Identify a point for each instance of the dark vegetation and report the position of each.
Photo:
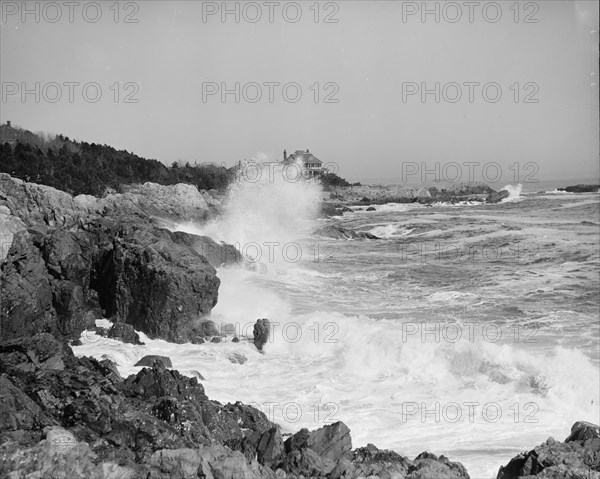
(90, 168)
(332, 179)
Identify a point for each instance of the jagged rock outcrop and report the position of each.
(576, 458)
(381, 194)
(76, 417)
(217, 254)
(68, 262)
(124, 333)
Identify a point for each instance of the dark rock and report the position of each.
(158, 287)
(497, 197)
(151, 359)
(208, 328)
(261, 333)
(125, 333)
(316, 453)
(109, 369)
(270, 446)
(217, 254)
(215, 339)
(85, 255)
(327, 210)
(428, 465)
(332, 442)
(26, 306)
(582, 431)
(369, 461)
(371, 208)
(577, 458)
(235, 339)
(582, 189)
(159, 423)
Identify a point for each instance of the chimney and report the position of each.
(8, 123)
(307, 150)
(284, 155)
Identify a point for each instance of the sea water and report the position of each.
(468, 330)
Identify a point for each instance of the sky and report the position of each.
(380, 91)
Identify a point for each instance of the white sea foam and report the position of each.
(333, 357)
(514, 192)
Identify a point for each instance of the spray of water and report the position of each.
(514, 192)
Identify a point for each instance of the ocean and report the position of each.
(467, 330)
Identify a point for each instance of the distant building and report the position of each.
(8, 134)
(312, 165)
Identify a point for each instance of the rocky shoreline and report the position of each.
(66, 261)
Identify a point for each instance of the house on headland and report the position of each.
(312, 165)
(8, 134)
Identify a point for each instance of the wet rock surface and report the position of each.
(70, 261)
(581, 189)
(64, 416)
(497, 197)
(381, 194)
(577, 457)
(261, 333)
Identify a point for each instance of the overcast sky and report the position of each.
(356, 68)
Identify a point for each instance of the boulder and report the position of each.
(124, 333)
(157, 286)
(152, 359)
(371, 208)
(261, 333)
(497, 197)
(332, 442)
(370, 460)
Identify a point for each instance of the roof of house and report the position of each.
(7, 133)
(306, 157)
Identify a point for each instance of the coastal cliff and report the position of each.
(67, 261)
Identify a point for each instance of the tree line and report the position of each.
(93, 169)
